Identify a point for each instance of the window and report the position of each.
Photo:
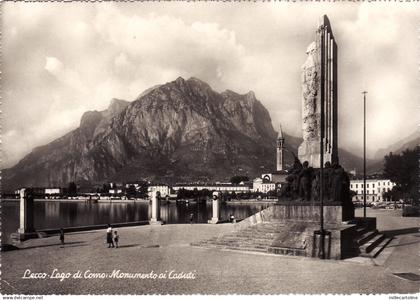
(373, 185)
(367, 185)
(356, 185)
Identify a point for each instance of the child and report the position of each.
(116, 238)
(109, 239)
(62, 237)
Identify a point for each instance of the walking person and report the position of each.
(109, 238)
(191, 218)
(116, 238)
(62, 237)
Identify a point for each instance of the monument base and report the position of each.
(213, 221)
(155, 222)
(18, 237)
(293, 228)
(310, 151)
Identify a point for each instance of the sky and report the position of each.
(62, 59)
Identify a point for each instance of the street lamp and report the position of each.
(364, 154)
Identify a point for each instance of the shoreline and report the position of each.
(142, 200)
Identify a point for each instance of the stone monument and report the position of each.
(319, 98)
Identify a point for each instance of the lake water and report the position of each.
(56, 214)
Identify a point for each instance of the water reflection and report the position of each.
(49, 214)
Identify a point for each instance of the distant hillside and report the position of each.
(409, 142)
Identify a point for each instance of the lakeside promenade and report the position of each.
(166, 249)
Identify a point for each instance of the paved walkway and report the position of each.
(163, 249)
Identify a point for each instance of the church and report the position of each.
(272, 181)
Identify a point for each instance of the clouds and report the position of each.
(59, 62)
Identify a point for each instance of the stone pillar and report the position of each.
(216, 208)
(26, 214)
(155, 218)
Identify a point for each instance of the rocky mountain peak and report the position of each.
(180, 131)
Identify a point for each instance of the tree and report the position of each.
(238, 179)
(131, 191)
(402, 169)
(105, 188)
(72, 189)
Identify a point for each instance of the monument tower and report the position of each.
(280, 149)
(319, 98)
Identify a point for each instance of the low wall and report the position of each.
(305, 212)
(50, 231)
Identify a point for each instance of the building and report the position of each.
(52, 191)
(276, 177)
(163, 189)
(115, 191)
(263, 186)
(220, 187)
(375, 188)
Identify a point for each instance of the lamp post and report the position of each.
(364, 154)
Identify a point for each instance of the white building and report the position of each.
(220, 187)
(258, 185)
(375, 188)
(52, 191)
(115, 191)
(164, 189)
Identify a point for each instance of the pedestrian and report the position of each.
(62, 237)
(191, 218)
(116, 238)
(109, 239)
(232, 218)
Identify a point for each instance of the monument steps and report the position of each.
(366, 236)
(287, 251)
(378, 249)
(371, 244)
(362, 230)
(244, 247)
(260, 237)
(241, 241)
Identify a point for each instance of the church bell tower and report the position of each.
(280, 149)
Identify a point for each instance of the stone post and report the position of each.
(155, 219)
(216, 208)
(26, 214)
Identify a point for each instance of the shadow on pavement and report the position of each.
(405, 244)
(129, 246)
(392, 233)
(69, 244)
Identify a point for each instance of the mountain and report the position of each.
(179, 131)
(409, 142)
(175, 132)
